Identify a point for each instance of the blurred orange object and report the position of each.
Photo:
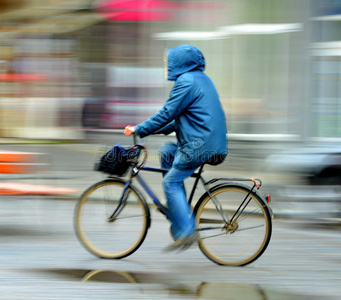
(13, 162)
(16, 156)
(16, 168)
(10, 188)
(22, 77)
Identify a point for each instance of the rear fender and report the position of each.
(243, 186)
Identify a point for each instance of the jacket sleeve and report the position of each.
(169, 128)
(179, 99)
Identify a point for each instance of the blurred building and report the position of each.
(69, 64)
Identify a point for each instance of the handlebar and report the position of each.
(135, 138)
(154, 133)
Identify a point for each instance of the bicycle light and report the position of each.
(268, 198)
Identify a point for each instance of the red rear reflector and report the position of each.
(268, 198)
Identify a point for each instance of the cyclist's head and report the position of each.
(183, 59)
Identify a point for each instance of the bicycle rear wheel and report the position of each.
(115, 238)
(246, 234)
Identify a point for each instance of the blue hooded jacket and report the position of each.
(193, 111)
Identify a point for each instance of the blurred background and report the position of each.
(75, 70)
(74, 73)
(69, 64)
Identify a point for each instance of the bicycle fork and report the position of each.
(121, 204)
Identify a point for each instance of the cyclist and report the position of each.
(194, 112)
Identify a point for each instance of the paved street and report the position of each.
(41, 258)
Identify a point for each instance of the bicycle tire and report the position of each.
(111, 239)
(241, 241)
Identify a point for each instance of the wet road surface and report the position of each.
(41, 258)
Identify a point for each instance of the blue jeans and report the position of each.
(179, 210)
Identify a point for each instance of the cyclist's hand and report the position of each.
(129, 130)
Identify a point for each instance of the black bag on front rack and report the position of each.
(117, 160)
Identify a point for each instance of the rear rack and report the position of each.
(256, 182)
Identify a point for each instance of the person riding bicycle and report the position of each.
(193, 110)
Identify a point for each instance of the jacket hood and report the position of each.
(183, 59)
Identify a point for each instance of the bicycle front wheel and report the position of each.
(108, 237)
(245, 234)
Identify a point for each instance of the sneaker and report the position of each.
(183, 243)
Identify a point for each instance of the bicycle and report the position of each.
(234, 221)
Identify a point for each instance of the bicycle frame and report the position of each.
(154, 198)
(257, 183)
(197, 175)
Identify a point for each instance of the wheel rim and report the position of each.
(115, 239)
(238, 242)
